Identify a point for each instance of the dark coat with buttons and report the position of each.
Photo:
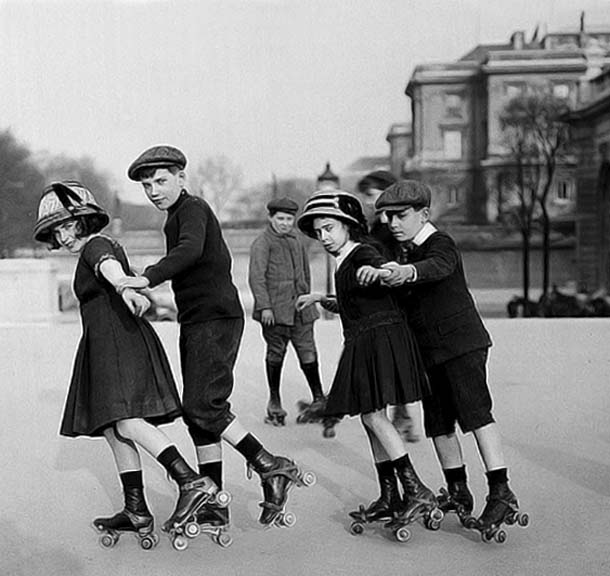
(440, 309)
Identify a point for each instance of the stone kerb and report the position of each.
(28, 290)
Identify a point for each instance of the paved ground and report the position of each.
(550, 383)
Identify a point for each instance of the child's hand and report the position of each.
(367, 275)
(135, 282)
(137, 304)
(398, 274)
(305, 300)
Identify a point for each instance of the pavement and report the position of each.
(550, 384)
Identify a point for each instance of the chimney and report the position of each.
(517, 40)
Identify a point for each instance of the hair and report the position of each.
(274, 211)
(85, 226)
(149, 171)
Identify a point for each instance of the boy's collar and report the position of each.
(425, 232)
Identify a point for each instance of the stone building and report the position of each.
(458, 145)
(590, 122)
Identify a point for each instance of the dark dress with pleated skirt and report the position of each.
(121, 369)
(380, 364)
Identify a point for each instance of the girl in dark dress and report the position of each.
(380, 364)
(122, 385)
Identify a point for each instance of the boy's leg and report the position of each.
(302, 338)
(490, 446)
(276, 338)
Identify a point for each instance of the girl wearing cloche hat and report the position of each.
(380, 364)
(122, 385)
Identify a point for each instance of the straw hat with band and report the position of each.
(332, 204)
(63, 201)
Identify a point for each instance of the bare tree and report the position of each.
(21, 184)
(216, 178)
(537, 138)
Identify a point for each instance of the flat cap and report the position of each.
(156, 157)
(403, 194)
(282, 205)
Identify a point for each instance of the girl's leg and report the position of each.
(195, 490)
(135, 516)
(389, 495)
(416, 494)
(448, 451)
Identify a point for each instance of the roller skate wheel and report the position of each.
(486, 536)
(356, 529)
(223, 498)
(403, 534)
(108, 541)
(224, 540)
(500, 537)
(469, 522)
(288, 520)
(192, 529)
(329, 432)
(180, 543)
(309, 479)
(437, 515)
(432, 524)
(523, 520)
(148, 542)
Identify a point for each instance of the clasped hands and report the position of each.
(390, 274)
(137, 303)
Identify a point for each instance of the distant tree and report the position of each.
(21, 184)
(217, 179)
(537, 138)
(62, 167)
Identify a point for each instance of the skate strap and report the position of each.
(271, 506)
(288, 472)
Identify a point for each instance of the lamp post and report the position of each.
(328, 180)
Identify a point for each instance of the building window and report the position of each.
(561, 90)
(514, 89)
(452, 144)
(564, 191)
(453, 197)
(453, 105)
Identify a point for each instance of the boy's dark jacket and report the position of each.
(440, 309)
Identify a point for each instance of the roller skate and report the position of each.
(313, 413)
(502, 507)
(111, 528)
(458, 498)
(278, 474)
(134, 518)
(276, 415)
(194, 495)
(381, 510)
(213, 520)
(419, 503)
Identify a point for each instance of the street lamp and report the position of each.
(328, 180)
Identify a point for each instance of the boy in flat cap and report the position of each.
(211, 318)
(278, 274)
(454, 345)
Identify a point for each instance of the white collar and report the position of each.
(346, 251)
(426, 231)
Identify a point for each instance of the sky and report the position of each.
(278, 86)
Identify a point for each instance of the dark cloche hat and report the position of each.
(156, 157)
(379, 179)
(403, 194)
(62, 201)
(332, 204)
(282, 205)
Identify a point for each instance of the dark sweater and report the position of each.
(198, 263)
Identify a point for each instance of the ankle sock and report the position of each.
(453, 475)
(249, 447)
(497, 476)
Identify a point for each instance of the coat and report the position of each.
(440, 309)
(278, 273)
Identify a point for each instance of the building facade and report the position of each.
(458, 143)
(590, 123)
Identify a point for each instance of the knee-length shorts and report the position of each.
(301, 336)
(208, 352)
(459, 393)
